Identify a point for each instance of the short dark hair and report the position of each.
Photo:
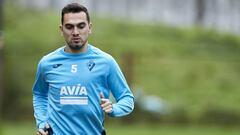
(74, 8)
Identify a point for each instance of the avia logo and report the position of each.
(73, 95)
(56, 65)
(91, 65)
(73, 90)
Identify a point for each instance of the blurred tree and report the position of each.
(1, 53)
(200, 5)
(128, 64)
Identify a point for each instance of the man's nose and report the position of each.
(75, 31)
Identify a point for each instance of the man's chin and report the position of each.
(76, 47)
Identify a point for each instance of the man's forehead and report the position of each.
(75, 18)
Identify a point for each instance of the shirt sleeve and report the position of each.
(120, 90)
(40, 98)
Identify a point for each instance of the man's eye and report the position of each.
(69, 27)
(81, 26)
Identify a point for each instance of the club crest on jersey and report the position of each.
(56, 65)
(91, 65)
(73, 95)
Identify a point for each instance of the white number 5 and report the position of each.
(74, 69)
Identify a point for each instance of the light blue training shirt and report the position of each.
(66, 93)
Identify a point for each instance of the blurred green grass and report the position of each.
(193, 69)
(29, 129)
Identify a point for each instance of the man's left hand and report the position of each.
(106, 104)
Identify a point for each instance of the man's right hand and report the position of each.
(43, 131)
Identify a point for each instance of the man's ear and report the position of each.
(61, 29)
(90, 28)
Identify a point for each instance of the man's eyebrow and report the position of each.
(68, 24)
(75, 24)
(81, 23)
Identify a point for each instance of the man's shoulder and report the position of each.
(51, 55)
(101, 53)
(105, 57)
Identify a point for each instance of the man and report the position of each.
(73, 83)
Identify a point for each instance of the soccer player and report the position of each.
(73, 83)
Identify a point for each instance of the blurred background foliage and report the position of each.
(193, 70)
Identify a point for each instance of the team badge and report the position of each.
(91, 65)
(56, 65)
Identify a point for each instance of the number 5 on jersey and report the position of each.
(74, 68)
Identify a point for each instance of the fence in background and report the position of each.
(223, 15)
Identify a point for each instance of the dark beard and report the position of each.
(76, 47)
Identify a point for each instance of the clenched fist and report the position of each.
(106, 104)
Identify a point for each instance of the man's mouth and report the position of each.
(76, 39)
